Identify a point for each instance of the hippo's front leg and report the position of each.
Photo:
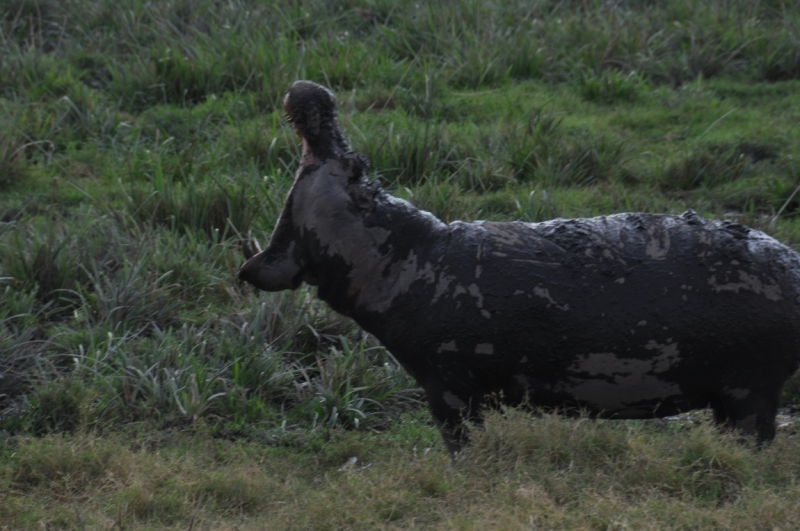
(450, 411)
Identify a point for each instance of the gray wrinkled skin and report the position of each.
(627, 316)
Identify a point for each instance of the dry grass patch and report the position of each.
(522, 471)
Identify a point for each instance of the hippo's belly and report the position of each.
(606, 385)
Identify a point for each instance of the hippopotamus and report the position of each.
(625, 316)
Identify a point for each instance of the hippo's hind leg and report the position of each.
(748, 411)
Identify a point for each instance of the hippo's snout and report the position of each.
(272, 271)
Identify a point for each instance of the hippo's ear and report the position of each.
(362, 195)
(364, 162)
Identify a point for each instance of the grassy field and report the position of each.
(143, 387)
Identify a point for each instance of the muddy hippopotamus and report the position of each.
(626, 316)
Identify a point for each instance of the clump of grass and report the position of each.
(611, 86)
(712, 165)
(67, 467)
(49, 263)
(60, 404)
(269, 147)
(355, 383)
(698, 463)
(132, 298)
(548, 440)
(12, 162)
(410, 152)
(543, 152)
(22, 351)
(211, 206)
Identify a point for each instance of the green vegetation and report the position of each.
(141, 386)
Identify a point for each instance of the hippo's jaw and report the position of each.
(271, 271)
(312, 110)
(281, 265)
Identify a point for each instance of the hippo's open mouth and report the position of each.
(311, 109)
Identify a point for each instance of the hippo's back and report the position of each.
(633, 238)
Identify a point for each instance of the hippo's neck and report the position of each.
(328, 144)
(365, 270)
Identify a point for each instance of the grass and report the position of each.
(141, 386)
(520, 472)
